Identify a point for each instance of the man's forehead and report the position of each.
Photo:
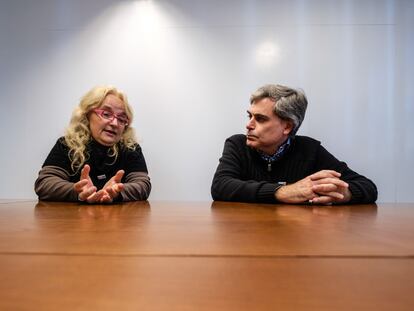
(262, 107)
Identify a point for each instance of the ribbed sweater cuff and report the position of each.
(266, 193)
(356, 193)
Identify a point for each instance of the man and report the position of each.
(272, 164)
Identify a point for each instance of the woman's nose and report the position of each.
(114, 121)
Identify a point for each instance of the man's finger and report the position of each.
(322, 200)
(324, 188)
(331, 181)
(336, 195)
(325, 174)
(333, 194)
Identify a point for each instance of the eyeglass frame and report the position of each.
(120, 118)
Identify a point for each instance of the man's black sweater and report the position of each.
(242, 175)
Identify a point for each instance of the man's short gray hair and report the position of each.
(290, 104)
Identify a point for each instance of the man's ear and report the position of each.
(288, 127)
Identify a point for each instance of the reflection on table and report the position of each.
(205, 256)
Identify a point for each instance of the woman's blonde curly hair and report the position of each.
(78, 133)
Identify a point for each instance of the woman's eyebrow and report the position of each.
(107, 107)
(110, 108)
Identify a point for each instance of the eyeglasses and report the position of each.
(110, 116)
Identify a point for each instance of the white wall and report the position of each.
(189, 67)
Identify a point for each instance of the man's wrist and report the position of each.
(279, 192)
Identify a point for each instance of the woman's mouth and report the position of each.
(110, 133)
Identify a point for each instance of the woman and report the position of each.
(98, 160)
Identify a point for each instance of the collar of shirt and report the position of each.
(278, 154)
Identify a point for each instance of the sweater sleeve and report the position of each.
(53, 184)
(137, 187)
(363, 190)
(228, 184)
(137, 184)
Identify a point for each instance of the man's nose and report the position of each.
(250, 124)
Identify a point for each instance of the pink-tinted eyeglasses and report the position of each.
(110, 116)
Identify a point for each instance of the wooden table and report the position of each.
(205, 256)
